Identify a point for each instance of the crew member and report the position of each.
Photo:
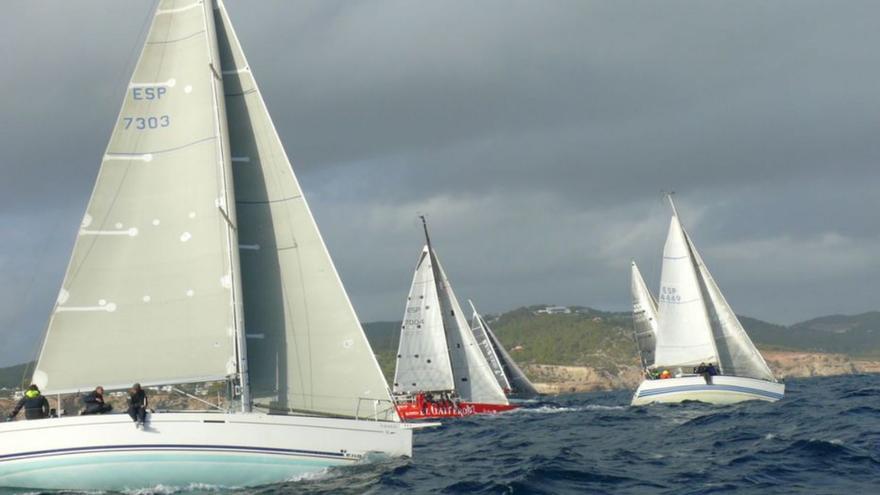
(711, 371)
(665, 374)
(137, 405)
(94, 402)
(35, 405)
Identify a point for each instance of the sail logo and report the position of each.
(413, 309)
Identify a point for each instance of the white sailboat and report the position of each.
(441, 371)
(644, 317)
(693, 324)
(507, 373)
(196, 230)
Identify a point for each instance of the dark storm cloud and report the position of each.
(537, 136)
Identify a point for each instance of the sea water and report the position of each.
(823, 438)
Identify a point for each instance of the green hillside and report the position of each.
(603, 340)
(853, 335)
(585, 337)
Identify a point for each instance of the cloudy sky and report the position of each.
(536, 136)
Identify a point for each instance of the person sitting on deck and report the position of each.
(137, 405)
(665, 374)
(35, 405)
(94, 402)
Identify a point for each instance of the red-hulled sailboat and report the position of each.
(441, 370)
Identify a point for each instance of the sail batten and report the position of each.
(146, 289)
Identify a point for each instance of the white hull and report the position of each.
(181, 449)
(722, 390)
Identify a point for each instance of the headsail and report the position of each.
(519, 383)
(306, 348)
(738, 355)
(482, 337)
(474, 380)
(422, 356)
(684, 336)
(644, 317)
(150, 294)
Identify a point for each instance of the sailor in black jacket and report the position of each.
(35, 405)
(94, 402)
(137, 405)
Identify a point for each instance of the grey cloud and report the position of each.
(537, 136)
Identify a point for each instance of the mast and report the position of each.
(227, 206)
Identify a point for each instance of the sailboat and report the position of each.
(199, 260)
(441, 371)
(507, 373)
(693, 325)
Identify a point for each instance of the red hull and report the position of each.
(434, 410)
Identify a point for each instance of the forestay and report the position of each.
(149, 293)
(482, 338)
(738, 355)
(306, 348)
(644, 317)
(422, 356)
(684, 336)
(474, 380)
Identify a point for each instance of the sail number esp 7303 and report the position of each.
(149, 93)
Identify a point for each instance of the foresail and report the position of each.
(149, 294)
(474, 380)
(482, 337)
(422, 356)
(738, 355)
(306, 348)
(684, 336)
(644, 317)
(519, 383)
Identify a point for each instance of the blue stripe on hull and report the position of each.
(710, 388)
(172, 447)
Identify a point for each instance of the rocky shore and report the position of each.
(552, 379)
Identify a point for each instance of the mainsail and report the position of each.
(644, 317)
(422, 356)
(151, 293)
(306, 348)
(684, 336)
(518, 383)
(736, 352)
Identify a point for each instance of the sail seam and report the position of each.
(270, 201)
(243, 93)
(168, 150)
(166, 42)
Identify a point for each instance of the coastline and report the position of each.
(558, 379)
